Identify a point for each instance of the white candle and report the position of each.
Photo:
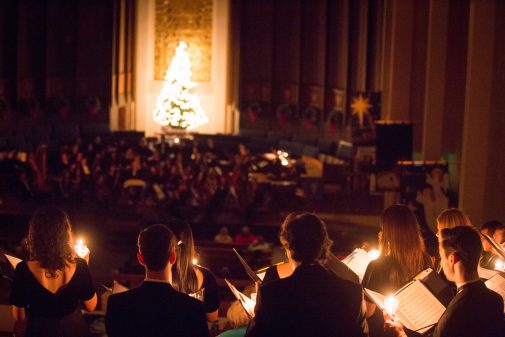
(374, 254)
(81, 249)
(391, 304)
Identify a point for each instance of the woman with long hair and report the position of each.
(190, 278)
(48, 288)
(403, 255)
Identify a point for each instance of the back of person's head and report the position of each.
(50, 239)
(490, 227)
(401, 240)
(306, 237)
(451, 218)
(464, 242)
(155, 244)
(184, 275)
(236, 315)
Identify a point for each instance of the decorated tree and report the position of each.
(176, 105)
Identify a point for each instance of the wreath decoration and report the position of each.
(284, 113)
(93, 105)
(311, 116)
(254, 110)
(335, 119)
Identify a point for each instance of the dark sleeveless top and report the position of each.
(51, 314)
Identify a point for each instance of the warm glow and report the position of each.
(194, 261)
(391, 304)
(360, 106)
(374, 254)
(80, 248)
(499, 265)
(176, 106)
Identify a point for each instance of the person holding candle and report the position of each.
(313, 301)
(48, 288)
(403, 255)
(476, 311)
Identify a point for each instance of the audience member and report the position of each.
(48, 287)
(476, 311)
(223, 236)
(155, 308)
(245, 237)
(312, 301)
(403, 255)
(191, 278)
(238, 319)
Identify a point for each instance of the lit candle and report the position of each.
(499, 265)
(81, 249)
(195, 261)
(374, 254)
(391, 304)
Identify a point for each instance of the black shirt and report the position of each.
(28, 293)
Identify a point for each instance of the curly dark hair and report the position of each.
(305, 235)
(49, 239)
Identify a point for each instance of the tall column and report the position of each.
(398, 51)
(478, 110)
(435, 80)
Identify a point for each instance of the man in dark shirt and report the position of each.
(154, 308)
(475, 311)
(312, 301)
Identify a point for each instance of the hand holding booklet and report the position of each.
(418, 309)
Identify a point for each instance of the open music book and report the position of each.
(247, 303)
(497, 284)
(485, 273)
(418, 310)
(357, 261)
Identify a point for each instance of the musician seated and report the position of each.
(476, 311)
(312, 301)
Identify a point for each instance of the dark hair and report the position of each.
(50, 240)
(402, 241)
(155, 244)
(491, 226)
(463, 241)
(184, 275)
(305, 235)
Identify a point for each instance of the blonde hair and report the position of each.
(451, 218)
(236, 315)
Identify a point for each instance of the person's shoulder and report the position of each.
(186, 302)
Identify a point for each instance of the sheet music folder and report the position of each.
(247, 303)
(419, 310)
(247, 268)
(357, 261)
(497, 284)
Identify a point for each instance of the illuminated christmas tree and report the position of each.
(176, 106)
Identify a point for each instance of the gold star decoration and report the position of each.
(360, 106)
